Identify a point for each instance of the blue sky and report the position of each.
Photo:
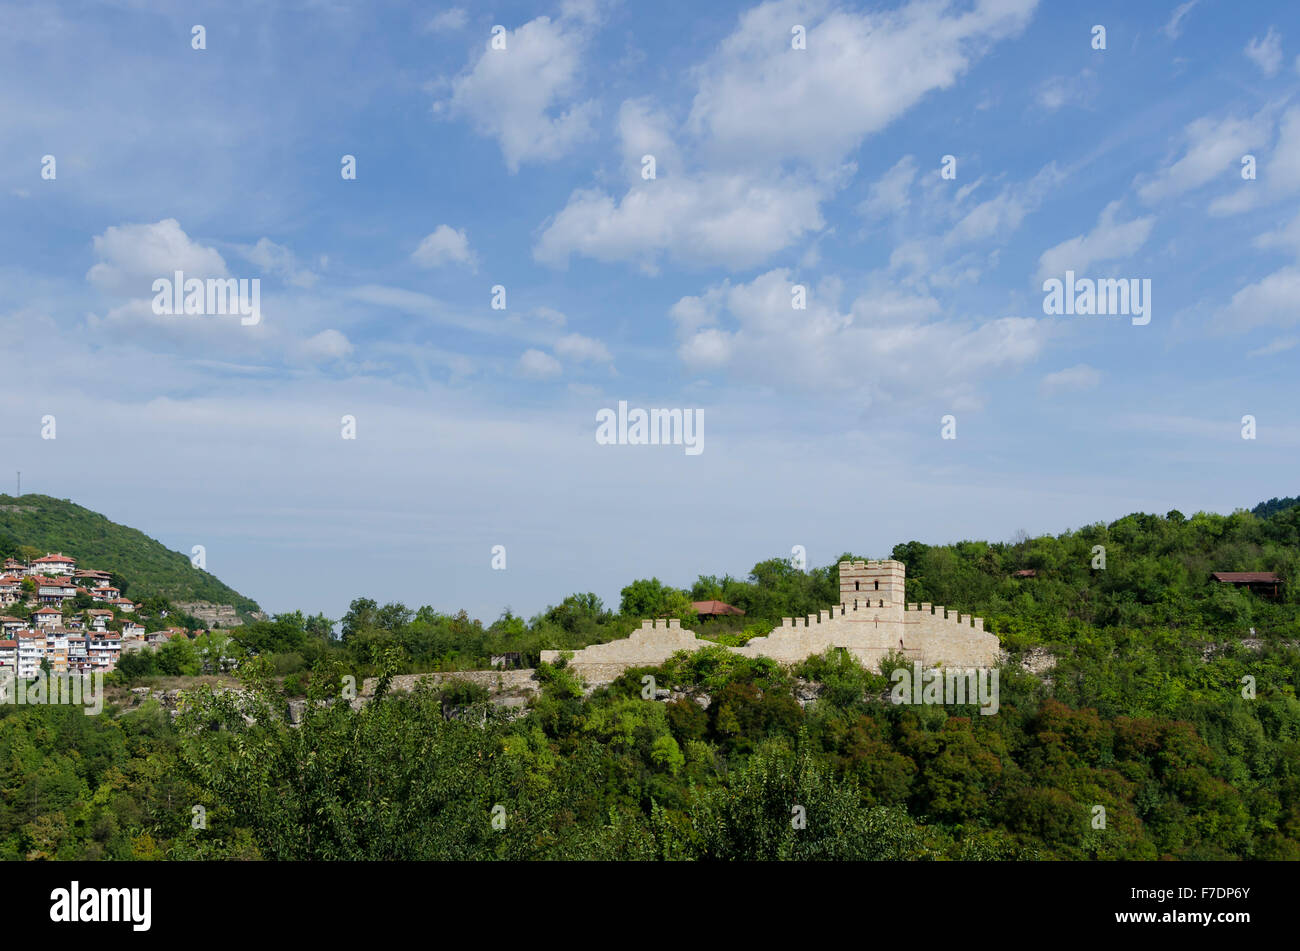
(522, 167)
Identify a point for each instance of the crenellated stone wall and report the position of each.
(650, 646)
(872, 621)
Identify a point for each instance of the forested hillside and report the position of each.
(1155, 708)
(33, 525)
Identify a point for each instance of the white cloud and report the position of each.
(278, 260)
(1078, 377)
(763, 102)
(760, 107)
(1108, 240)
(1060, 91)
(453, 18)
(1286, 238)
(1266, 53)
(538, 365)
(1278, 176)
(132, 256)
(445, 245)
(327, 345)
(1270, 301)
(1280, 345)
(582, 349)
(1174, 28)
(522, 95)
(891, 193)
(732, 220)
(1003, 214)
(886, 348)
(645, 130)
(550, 315)
(1214, 148)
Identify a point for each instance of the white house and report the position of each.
(57, 564)
(48, 617)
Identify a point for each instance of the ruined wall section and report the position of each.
(872, 621)
(650, 646)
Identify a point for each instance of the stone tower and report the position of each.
(873, 584)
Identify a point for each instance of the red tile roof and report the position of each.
(1247, 577)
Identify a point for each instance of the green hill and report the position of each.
(38, 521)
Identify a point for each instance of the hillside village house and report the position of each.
(78, 655)
(55, 592)
(88, 642)
(104, 650)
(58, 564)
(31, 649)
(48, 617)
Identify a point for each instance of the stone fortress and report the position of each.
(871, 621)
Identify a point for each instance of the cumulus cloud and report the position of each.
(1108, 240)
(643, 129)
(453, 18)
(731, 220)
(771, 130)
(327, 345)
(885, 348)
(132, 256)
(279, 261)
(523, 95)
(582, 349)
(763, 104)
(1078, 377)
(445, 245)
(538, 365)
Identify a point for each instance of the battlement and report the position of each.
(662, 624)
(939, 611)
(847, 611)
(871, 621)
(878, 583)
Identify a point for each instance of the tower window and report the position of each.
(877, 585)
(857, 586)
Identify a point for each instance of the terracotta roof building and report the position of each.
(1261, 582)
(714, 608)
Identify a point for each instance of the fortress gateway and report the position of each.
(871, 620)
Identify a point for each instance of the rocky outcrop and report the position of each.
(212, 615)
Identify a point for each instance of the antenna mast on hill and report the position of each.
(20, 482)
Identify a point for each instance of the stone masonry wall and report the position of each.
(871, 622)
(654, 643)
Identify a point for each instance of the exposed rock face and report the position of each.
(509, 688)
(1038, 660)
(212, 615)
